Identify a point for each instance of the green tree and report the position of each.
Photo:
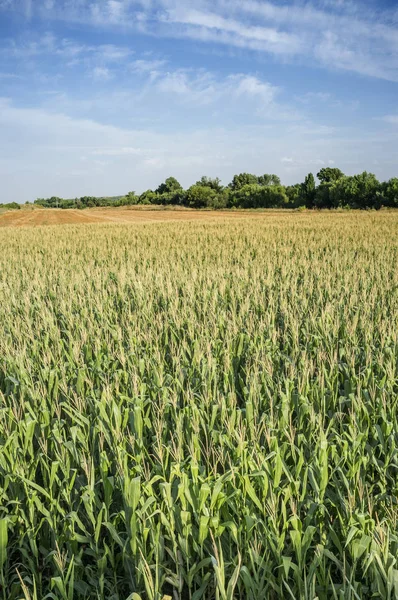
(177, 197)
(222, 199)
(243, 179)
(148, 197)
(325, 196)
(213, 183)
(130, 199)
(12, 206)
(247, 196)
(308, 190)
(329, 174)
(268, 179)
(293, 193)
(201, 196)
(358, 191)
(258, 196)
(68, 203)
(170, 185)
(390, 193)
(89, 201)
(274, 196)
(52, 202)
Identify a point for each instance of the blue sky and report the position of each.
(99, 97)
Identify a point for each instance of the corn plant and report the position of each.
(200, 410)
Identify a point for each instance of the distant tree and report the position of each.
(177, 197)
(275, 196)
(148, 197)
(88, 201)
(293, 193)
(358, 191)
(222, 199)
(243, 179)
(200, 196)
(213, 183)
(390, 193)
(308, 190)
(52, 202)
(325, 196)
(247, 196)
(130, 199)
(258, 196)
(329, 174)
(68, 203)
(268, 179)
(170, 185)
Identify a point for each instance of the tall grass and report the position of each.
(200, 410)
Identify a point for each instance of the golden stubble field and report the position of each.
(201, 408)
(36, 217)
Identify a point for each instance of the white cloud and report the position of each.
(220, 29)
(393, 119)
(252, 86)
(119, 152)
(148, 66)
(203, 88)
(101, 74)
(300, 162)
(45, 44)
(65, 49)
(311, 97)
(334, 51)
(112, 53)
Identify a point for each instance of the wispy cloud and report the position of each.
(64, 48)
(9, 76)
(120, 151)
(392, 119)
(216, 28)
(310, 163)
(101, 74)
(249, 85)
(311, 97)
(148, 68)
(201, 87)
(338, 35)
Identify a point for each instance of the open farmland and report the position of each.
(38, 217)
(202, 409)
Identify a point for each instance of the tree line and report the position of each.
(335, 190)
(10, 205)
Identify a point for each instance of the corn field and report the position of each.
(200, 410)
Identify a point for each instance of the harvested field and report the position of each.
(39, 217)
